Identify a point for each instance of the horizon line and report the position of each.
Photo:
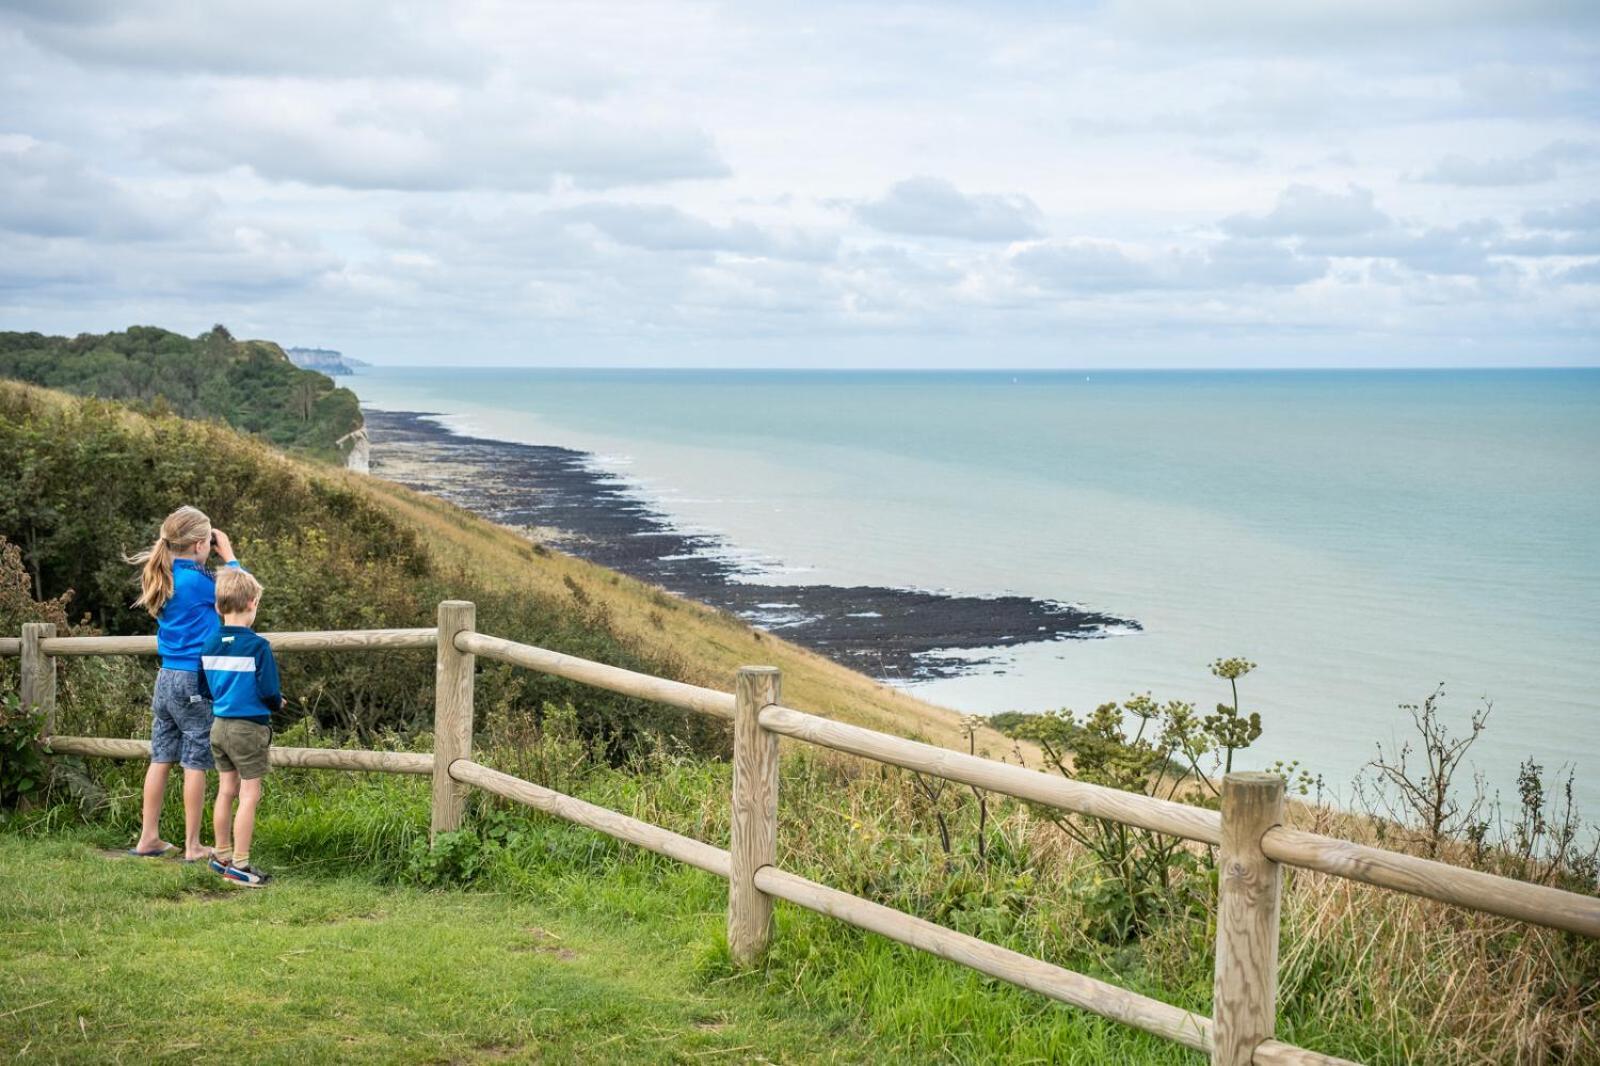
(985, 370)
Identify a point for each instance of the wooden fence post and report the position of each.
(39, 674)
(452, 715)
(755, 814)
(1245, 992)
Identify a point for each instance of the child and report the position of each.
(239, 676)
(180, 594)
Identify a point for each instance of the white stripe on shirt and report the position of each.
(232, 664)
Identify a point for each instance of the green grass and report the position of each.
(567, 946)
(153, 961)
(351, 955)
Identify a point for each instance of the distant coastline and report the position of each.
(560, 497)
(325, 360)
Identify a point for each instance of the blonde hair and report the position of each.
(182, 530)
(236, 591)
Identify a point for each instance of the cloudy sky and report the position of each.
(1158, 183)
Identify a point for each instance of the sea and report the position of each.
(1364, 537)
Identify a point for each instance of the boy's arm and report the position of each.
(267, 677)
(205, 689)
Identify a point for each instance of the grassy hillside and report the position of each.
(84, 482)
(250, 385)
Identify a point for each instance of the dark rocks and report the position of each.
(564, 500)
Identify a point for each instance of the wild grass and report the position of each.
(1366, 974)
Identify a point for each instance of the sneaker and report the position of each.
(220, 866)
(245, 875)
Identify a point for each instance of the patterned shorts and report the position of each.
(181, 731)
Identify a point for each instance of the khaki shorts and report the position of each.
(240, 745)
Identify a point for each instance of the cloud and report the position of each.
(1329, 24)
(933, 207)
(232, 37)
(662, 228)
(427, 138)
(627, 182)
(1546, 164)
(1464, 249)
(47, 191)
(1090, 266)
(1306, 211)
(1581, 216)
(1582, 274)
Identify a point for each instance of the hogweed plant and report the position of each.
(1161, 749)
(1231, 729)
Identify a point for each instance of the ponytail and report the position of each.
(182, 530)
(155, 580)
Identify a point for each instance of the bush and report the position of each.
(22, 765)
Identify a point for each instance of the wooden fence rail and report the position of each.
(1253, 844)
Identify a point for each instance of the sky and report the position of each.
(1007, 184)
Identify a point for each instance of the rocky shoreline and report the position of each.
(561, 498)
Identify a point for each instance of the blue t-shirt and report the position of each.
(239, 675)
(189, 617)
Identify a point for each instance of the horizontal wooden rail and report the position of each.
(388, 762)
(1130, 808)
(11, 646)
(1142, 1012)
(1251, 843)
(1130, 1008)
(1276, 1053)
(612, 678)
(1440, 881)
(324, 640)
(703, 856)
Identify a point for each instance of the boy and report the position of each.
(239, 676)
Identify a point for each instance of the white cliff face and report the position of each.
(359, 456)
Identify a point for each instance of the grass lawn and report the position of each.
(141, 960)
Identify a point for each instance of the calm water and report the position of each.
(1360, 535)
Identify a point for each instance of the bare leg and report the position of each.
(244, 823)
(222, 817)
(194, 812)
(155, 790)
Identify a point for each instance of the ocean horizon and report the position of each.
(1362, 535)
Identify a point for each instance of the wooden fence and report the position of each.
(1253, 844)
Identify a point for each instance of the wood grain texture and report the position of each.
(1130, 1008)
(754, 821)
(311, 640)
(38, 687)
(1436, 880)
(452, 715)
(612, 678)
(1244, 992)
(10, 647)
(1277, 1053)
(1162, 816)
(702, 856)
(388, 762)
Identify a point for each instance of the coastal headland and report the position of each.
(561, 498)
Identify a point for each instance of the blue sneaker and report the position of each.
(245, 874)
(219, 866)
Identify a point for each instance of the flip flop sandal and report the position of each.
(155, 853)
(205, 858)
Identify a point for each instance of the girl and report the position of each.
(181, 596)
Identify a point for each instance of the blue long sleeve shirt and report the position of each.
(189, 617)
(239, 675)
